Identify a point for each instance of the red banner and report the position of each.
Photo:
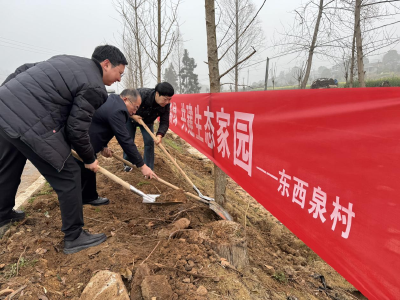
(326, 163)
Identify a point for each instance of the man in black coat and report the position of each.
(44, 109)
(155, 103)
(109, 121)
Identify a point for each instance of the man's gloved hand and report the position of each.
(93, 166)
(147, 172)
(106, 152)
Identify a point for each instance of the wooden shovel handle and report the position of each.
(166, 152)
(107, 173)
(128, 163)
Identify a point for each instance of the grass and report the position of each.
(142, 183)
(393, 81)
(23, 262)
(280, 277)
(46, 190)
(173, 145)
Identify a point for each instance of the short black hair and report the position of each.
(112, 53)
(130, 93)
(164, 89)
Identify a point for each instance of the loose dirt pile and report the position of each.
(279, 266)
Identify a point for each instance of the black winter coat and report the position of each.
(49, 106)
(149, 110)
(109, 121)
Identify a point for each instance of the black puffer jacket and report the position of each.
(149, 110)
(49, 106)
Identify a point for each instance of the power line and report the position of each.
(3, 38)
(28, 50)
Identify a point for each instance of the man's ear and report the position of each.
(105, 64)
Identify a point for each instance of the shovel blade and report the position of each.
(150, 198)
(220, 211)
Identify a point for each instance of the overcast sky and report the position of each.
(35, 30)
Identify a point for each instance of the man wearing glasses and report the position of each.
(155, 103)
(109, 121)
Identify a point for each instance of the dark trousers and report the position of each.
(148, 156)
(88, 183)
(67, 183)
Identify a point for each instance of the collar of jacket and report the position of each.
(98, 66)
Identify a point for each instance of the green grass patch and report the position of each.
(172, 144)
(393, 81)
(23, 262)
(46, 190)
(143, 183)
(280, 277)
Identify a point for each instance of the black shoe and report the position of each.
(12, 216)
(83, 241)
(99, 201)
(127, 168)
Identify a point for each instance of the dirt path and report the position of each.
(279, 266)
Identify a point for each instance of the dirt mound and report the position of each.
(278, 266)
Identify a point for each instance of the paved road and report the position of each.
(29, 176)
(31, 180)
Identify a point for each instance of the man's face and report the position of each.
(111, 74)
(162, 100)
(131, 105)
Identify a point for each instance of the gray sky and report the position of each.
(35, 30)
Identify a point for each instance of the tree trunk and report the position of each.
(159, 43)
(312, 47)
(213, 70)
(228, 240)
(139, 54)
(360, 63)
(353, 51)
(236, 44)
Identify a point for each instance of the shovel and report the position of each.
(174, 162)
(147, 198)
(214, 206)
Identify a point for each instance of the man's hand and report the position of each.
(136, 118)
(147, 172)
(158, 140)
(106, 152)
(93, 166)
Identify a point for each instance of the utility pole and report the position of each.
(248, 76)
(266, 75)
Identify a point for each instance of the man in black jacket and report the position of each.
(44, 109)
(155, 103)
(109, 121)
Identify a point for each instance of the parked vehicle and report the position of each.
(324, 83)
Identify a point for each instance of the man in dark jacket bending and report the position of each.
(155, 103)
(109, 121)
(44, 109)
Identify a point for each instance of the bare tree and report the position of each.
(234, 17)
(273, 72)
(157, 20)
(220, 178)
(298, 74)
(367, 29)
(310, 33)
(346, 68)
(134, 40)
(176, 57)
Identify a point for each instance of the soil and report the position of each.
(280, 265)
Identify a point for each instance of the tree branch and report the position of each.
(244, 59)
